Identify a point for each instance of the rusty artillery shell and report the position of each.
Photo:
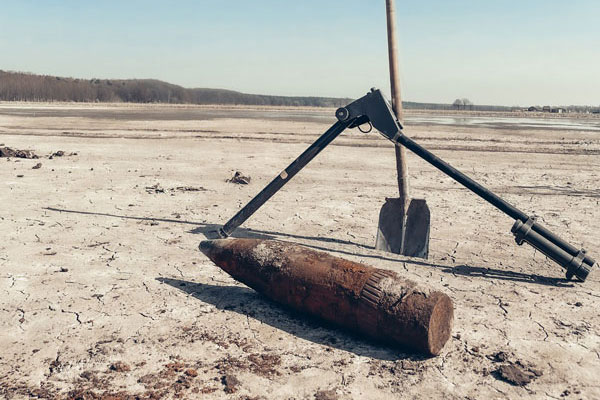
(364, 299)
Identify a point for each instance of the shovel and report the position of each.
(403, 223)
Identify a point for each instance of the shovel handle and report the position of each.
(396, 98)
(393, 59)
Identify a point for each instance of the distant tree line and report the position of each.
(18, 86)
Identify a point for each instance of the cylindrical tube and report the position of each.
(572, 250)
(371, 301)
(575, 266)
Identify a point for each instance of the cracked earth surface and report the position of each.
(104, 291)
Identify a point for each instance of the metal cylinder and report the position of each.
(367, 300)
(576, 265)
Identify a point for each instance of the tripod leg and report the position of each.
(281, 179)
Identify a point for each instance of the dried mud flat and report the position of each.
(106, 296)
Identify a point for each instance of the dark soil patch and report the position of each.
(9, 152)
(120, 366)
(188, 189)
(88, 394)
(264, 364)
(175, 377)
(516, 372)
(326, 395)
(516, 375)
(230, 382)
(156, 188)
(61, 153)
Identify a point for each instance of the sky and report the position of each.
(504, 52)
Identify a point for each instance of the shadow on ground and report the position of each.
(209, 232)
(247, 302)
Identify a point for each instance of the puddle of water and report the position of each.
(495, 122)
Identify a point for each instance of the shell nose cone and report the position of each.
(213, 246)
(206, 246)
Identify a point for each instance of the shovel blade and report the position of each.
(416, 236)
(389, 229)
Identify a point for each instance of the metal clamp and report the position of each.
(521, 230)
(575, 264)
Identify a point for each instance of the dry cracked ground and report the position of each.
(104, 294)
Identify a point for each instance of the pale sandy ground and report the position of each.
(95, 269)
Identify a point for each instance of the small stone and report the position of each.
(578, 304)
(37, 166)
(500, 356)
(120, 366)
(239, 179)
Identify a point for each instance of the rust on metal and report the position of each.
(371, 301)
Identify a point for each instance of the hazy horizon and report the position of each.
(541, 52)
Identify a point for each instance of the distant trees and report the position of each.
(17, 86)
(29, 87)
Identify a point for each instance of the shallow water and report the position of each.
(322, 116)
